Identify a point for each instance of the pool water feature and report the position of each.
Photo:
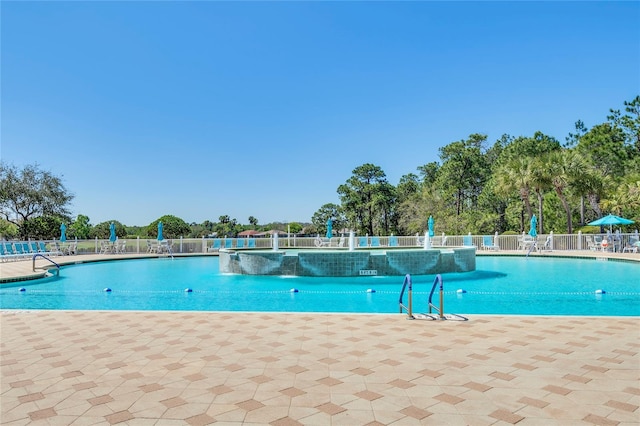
(499, 285)
(352, 263)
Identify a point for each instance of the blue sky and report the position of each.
(201, 109)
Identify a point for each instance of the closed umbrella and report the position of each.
(112, 229)
(533, 231)
(329, 228)
(63, 232)
(430, 225)
(160, 238)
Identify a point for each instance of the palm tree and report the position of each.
(517, 175)
(541, 182)
(564, 168)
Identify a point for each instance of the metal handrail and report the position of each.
(440, 310)
(33, 261)
(407, 281)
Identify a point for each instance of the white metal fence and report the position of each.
(557, 242)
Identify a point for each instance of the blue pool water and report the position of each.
(500, 285)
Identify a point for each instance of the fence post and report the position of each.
(579, 240)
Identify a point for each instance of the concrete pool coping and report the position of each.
(197, 368)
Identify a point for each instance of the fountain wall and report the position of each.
(340, 263)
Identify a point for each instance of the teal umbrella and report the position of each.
(430, 225)
(329, 228)
(160, 238)
(611, 220)
(63, 232)
(112, 229)
(533, 231)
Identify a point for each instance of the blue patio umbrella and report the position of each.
(430, 225)
(533, 231)
(329, 228)
(160, 238)
(611, 220)
(112, 229)
(63, 232)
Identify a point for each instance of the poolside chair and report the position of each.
(71, 248)
(319, 242)
(240, 243)
(467, 241)
(121, 247)
(228, 243)
(341, 242)
(7, 253)
(19, 251)
(42, 248)
(632, 245)
(215, 246)
(545, 246)
(363, 242)
(375, 241)
(591, 243)
(251, 243)
(152, 247)
(57, 249)
(489, 244)
(393, 241)
(525, 242)
(33, 246)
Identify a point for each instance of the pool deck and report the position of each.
(198, 368)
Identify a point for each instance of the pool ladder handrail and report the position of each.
(437, 282)
(440, 310)
(407, 281)
(409, 308)
(33, 262)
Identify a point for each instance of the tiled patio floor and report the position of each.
(176, 368)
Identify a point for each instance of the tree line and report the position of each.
(476, 187)
(484, 188)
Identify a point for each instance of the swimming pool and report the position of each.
(500, 285)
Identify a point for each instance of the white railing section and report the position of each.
(616, 242)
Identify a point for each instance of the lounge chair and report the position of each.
(240, 243)
(319, 242)
(215, 246)
(7, 253)
(632, 245)
(71, 248)
(544, 246)
(467, 241)
(18, 250)
(489, 244)
(251, 243)
(592, 244)
(42, 248)
(363, 242)
(121, 247)
(152, 247)
(375, 241)
(393, 241)
(228, 243)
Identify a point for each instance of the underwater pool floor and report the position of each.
(197, 368)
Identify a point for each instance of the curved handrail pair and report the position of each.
(33, 261)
